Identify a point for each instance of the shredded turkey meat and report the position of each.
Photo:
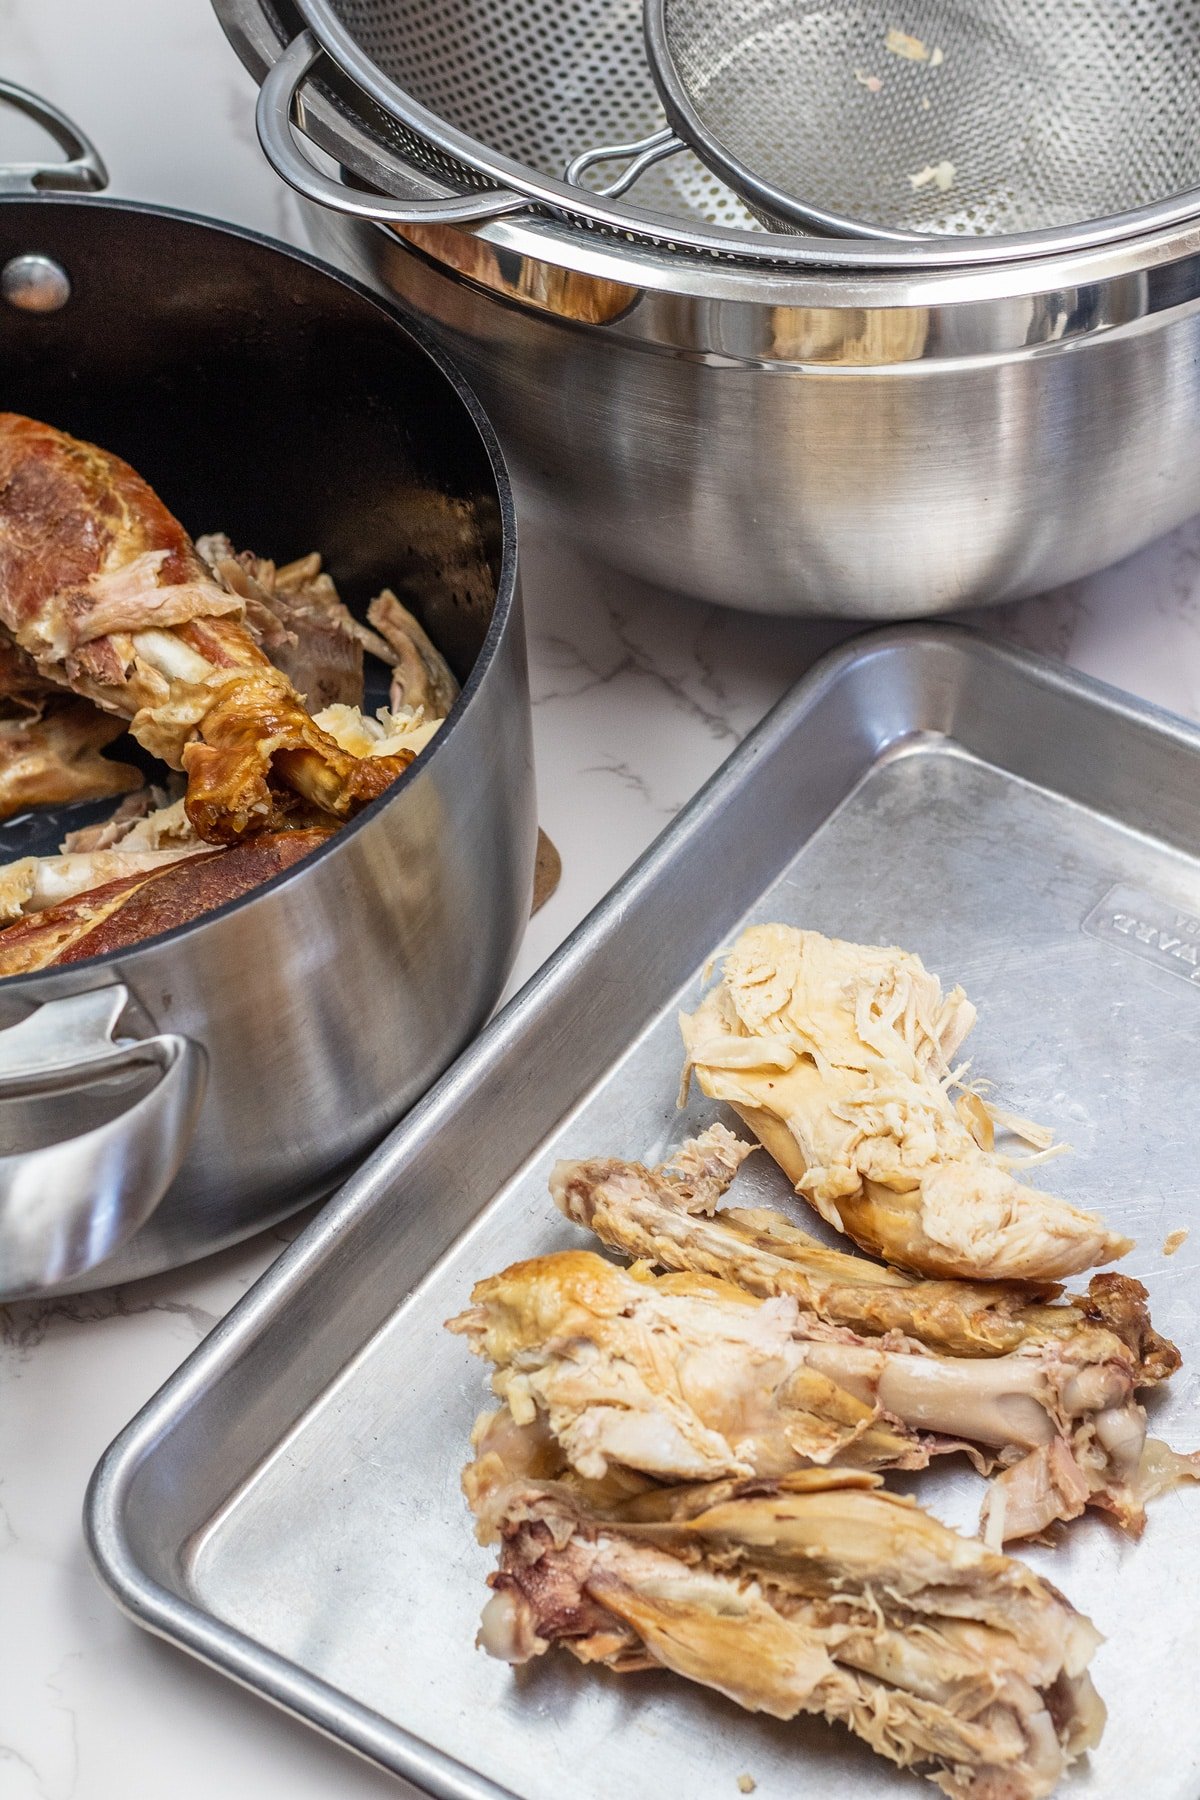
(680, 1377)
(388, 733)
(685, 1377)
(298, 617)
(421, 676)
(838, 1057)
(50, 743)
(104, 591)
(815, 1593)
(148, 818)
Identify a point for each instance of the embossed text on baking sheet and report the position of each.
(1151, 927)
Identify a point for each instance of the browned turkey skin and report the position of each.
(122, 912)
(103, 591)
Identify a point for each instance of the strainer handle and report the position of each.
(644, 152)
(277, 135)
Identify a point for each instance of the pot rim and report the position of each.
(498, 625)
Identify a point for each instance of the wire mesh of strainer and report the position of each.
(949, 116)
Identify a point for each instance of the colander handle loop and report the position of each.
(277, 99)
(645, 152)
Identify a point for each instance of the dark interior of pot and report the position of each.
(264, 398)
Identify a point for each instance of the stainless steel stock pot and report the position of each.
(158, 1103)
(785, 424)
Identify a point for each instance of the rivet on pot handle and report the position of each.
(82, 173)
(276, 134)
(67, 1206)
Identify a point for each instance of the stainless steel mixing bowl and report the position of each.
(865, 429)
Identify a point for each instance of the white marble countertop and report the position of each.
(637, 698)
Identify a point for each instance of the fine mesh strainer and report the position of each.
(966, 129)
(932, 115)
(985, 116)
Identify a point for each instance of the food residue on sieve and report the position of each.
(1173, 1240)
(870, 82)
(913, 49)
(940, 174)
(901, 44)
(746, 1784)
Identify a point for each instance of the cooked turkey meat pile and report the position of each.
(245, 677)
(684, 1468)
(814, 1593)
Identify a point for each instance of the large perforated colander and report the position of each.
(1042, 126)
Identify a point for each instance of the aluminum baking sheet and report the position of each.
(288, 1506)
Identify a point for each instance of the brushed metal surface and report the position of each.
(778, 101)
(868, 454)
(288, 1508)
(266, 395)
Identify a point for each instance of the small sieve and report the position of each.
(928, 116)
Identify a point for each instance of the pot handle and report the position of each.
(82, 173)
(67, 1205)
(277, 135)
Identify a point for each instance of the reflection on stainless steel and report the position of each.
(326, 1001)
(876, 439)
(35, 283)
(825, 451)
(288, 1508)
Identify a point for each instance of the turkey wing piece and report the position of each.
(662, 1214)
(682, 1377)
